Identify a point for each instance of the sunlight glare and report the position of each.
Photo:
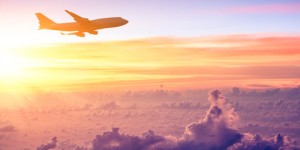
(11, 65)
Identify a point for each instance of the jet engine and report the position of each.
(93, 32)
(80, 34)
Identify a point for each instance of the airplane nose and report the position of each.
(125, 21)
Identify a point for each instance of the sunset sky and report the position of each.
(182, 45)
(181, 74)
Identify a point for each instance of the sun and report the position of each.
(11, 65)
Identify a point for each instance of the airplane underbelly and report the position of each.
(77, 27)
(66, 27)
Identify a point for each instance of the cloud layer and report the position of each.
(257, 115)
(215, 132)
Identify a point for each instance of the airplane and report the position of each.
(81, 25)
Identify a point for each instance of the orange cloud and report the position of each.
(233, 60)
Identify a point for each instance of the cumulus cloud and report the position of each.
(113, 140)
(256, 142)
(49, 145)
(215, 132)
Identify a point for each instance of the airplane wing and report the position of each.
(77, 18)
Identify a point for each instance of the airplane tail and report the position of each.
(44, 21)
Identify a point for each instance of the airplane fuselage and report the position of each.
(89, 26)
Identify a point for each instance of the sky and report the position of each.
(153, 74)
(180, 44)
(154, 18)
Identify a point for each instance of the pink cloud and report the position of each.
(268, 8)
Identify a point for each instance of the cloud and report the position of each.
(217, 129)
(256, 142)
(7, 128)
(215, 132)
(113, 140)
(109, 105)
(181, 105)
(260, 86)
(67, 145)
(47, 146)
(268, 8)
(158, 94)
(241, 59)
